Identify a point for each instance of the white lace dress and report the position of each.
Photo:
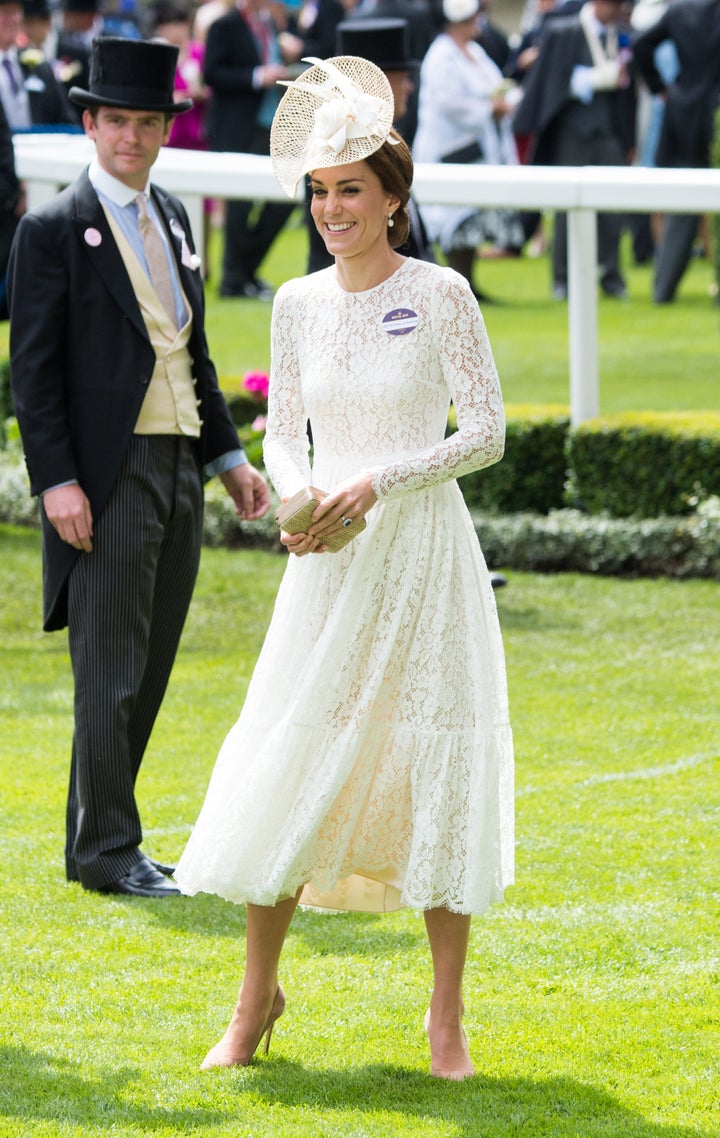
(372, 760)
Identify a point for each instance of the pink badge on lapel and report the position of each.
(93, 236)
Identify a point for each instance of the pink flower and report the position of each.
(259, 423)
(257, 382)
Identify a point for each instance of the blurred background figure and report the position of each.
(242, 67)
(121, 18)
(491, 37)
(37, 30)
(423, 23)
(579, 106)
(465, 116)
(310, 31)
(206, 14)
(524, 52)
(32, 99)
(692, 27)
(172, 20)
(12, 205)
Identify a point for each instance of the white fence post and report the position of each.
(582, 315)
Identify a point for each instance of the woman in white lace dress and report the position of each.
(371, 766)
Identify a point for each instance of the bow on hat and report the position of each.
(350, 114)
(337, 112)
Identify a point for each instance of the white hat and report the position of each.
(338, 111)
(456, 11)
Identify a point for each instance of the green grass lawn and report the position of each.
(593, 994)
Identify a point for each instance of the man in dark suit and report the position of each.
(12, 204)
(121, 418)
(693, 26)
(242, 67)
(30, 94)
(491, 37)
(579, 106)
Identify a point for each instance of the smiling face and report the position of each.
(127, 143)
(350, 209)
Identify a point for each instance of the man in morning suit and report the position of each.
(579, 105)
(692, 101)
(121, 418)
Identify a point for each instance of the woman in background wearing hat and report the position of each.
(371, 767)
(464, 116)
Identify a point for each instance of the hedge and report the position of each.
(644, 464)
(531, 476)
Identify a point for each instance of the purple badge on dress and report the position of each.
(93, 236)
(400, 321)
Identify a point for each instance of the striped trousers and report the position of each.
(128, 600)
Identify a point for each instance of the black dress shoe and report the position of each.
(497, 580)
(143, 880)
(615, 291)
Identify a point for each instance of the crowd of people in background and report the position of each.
(579, 82)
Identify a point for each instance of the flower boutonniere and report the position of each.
(31, 57)
(66, 70)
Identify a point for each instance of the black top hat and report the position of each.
(386, 43)
(137, 75)
(39, 9)
(80, 5)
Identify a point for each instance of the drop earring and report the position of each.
(390, 221)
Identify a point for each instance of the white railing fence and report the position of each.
(46, 162)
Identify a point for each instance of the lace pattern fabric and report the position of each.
(372, 760)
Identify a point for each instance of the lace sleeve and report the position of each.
(467, 367)
(286, 445)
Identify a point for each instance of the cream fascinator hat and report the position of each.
(338, 111)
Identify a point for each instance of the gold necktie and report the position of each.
(156, 257)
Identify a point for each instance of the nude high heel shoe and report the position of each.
(456, 1068)
(232, 1051)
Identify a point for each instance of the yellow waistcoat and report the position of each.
(170, 406)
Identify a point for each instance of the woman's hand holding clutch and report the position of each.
(344, 506)
(314, 522)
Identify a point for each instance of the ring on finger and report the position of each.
(346, 522)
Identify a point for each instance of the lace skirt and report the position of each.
(372, 760)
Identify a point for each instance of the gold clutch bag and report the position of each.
(294, 516)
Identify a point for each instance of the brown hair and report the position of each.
(393, 165)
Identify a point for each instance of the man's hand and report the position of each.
(248, 489)
(68, 510)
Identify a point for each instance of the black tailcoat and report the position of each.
(231, 56)
(547, 93)
(688, 122)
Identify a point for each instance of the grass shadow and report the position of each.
(323, 933)
(39, 1086)
(476, 1108)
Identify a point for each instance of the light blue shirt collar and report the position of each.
(111, 187)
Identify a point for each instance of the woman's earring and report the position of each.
(390, 221)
